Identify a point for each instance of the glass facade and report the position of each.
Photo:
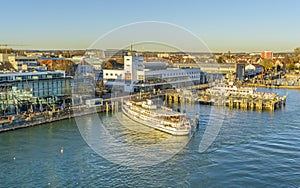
(42, 84)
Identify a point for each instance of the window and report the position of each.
(106, 74)
(111, 74)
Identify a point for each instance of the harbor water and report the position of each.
(249, 149)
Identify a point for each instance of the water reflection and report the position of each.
(126, 142)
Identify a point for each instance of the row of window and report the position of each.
(28, 77)
(45, 88)
(24, 60)
(181, 73)
(111, 74)
(167, 74)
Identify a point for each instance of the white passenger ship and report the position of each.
(163, 118)
(230, 89)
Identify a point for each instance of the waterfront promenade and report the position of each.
(12, 122)
(272, 86)
(39, 118)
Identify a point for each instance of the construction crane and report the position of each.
(6, 45)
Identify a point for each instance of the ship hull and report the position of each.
(153, 123)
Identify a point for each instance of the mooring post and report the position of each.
(106, 105)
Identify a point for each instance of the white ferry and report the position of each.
(163, 118)
(230, 89)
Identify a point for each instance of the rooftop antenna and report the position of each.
(130, 50)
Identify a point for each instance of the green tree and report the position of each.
(220, 59)
(297, 51)
(57, 53)
(296, 55)
(267, 64)
(291, 66)
(229, 54)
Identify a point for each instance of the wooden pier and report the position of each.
(245, 102)
(236, 101)
(172, 96)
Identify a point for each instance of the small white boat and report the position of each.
(162, 119)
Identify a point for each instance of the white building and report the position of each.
(11, 58)
(137, 74)
(133, 70)
(27, 63)
(116, 74)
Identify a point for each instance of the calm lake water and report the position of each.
(251, 149)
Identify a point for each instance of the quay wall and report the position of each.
(39, 118)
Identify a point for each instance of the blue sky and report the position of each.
(235, 25)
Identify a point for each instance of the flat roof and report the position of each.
(29, 73)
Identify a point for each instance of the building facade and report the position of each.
(267, 55)
(43, 84)
(137, 74)
(26, 63)
(21, 92)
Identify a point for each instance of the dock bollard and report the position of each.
(117, 106)
(106, 105)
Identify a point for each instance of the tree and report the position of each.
(287, 59)
(267, 64)
(297, 51)
(296, 55)
(229, 54)
(220, 59)
(291, 66)
(57, 53)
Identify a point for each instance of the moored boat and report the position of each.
(230, 89)
(160, 118)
